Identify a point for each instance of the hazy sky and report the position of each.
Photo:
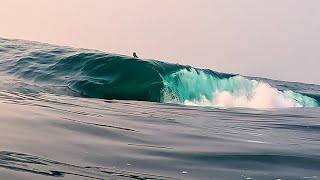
(279, 39)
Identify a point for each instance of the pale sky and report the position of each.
(279, 39)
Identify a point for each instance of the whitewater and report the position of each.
(85, 114)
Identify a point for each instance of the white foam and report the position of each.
(262, 96)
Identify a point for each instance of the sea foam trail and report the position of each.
(100, 75)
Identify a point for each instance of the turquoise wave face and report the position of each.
(196, 87)
(95, 74)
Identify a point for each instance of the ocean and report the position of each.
(70, 113)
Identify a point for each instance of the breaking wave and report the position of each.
(108, 76)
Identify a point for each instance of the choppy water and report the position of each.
(82, 114)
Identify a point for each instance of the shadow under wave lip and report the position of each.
(45, 167)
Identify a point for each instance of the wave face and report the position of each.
(96, 74)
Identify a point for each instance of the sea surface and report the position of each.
(71, 113)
